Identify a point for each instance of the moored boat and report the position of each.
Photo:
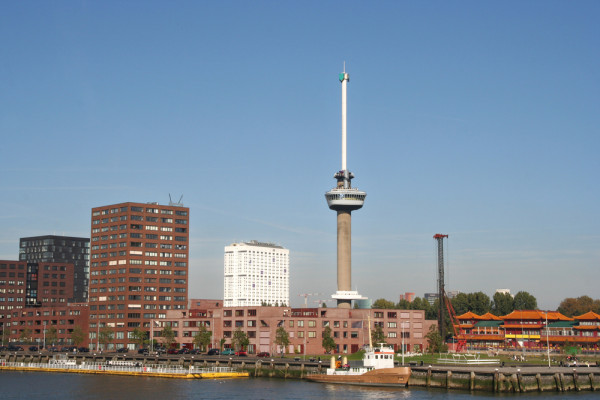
(376, 369)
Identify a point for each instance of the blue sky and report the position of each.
(474, 119)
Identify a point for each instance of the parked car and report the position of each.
(83, 350)
(54, 349)
(263, 354)
(183, 350)
(213, 352)
(143, 351)
(195, 351)
(227, 352)
(241, 353)
(160, 350)
(14, 348)
(34, 348)
(123, 350)
(172, 351)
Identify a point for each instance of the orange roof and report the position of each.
(525, 314)
(555, 315)
(488, 316)
(590, 315)
(536, 314)
(469, 315)
(587, 327)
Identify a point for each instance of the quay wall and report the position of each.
(507, 379)
(488, 379)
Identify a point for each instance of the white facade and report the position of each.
(255, 274)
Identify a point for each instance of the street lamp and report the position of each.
(44, 335)
(402, 325)
(547, 339)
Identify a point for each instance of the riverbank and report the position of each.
(492, 379)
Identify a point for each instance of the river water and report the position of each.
(56, 386)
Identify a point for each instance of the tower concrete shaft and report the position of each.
(344, 256)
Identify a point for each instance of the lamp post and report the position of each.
(547, 339)
(98, 336)
(152, 336)
(402, 325)
(44, 335)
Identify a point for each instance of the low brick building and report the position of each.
(304, 326)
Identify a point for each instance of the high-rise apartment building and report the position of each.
(255, 274)
(139, 268)
(61, 249)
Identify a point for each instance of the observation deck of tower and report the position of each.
(344, 199)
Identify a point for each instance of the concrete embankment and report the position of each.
(489, 378)
(507, 379)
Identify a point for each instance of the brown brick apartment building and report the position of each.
(304, 325)
(26, 286)
(138, 267)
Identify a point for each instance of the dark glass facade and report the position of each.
(61, 249)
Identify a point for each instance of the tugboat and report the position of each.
(377, 369)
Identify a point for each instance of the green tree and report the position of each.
(479, 303)
(221, 343)
(106, 336)
(525, 301)
(168, 336)
(383, 303)
(77, 335)
(139, 337)
(25, 335)
(282, 339)
(403, 305)
(577, 306)
(435, 344)
(202, 338)
(240, 340)
(503, 304)
(51, 335)
(328, 341)
(378, 336)
(461, 303)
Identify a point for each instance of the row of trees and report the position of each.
(477, 302)
(77, 336)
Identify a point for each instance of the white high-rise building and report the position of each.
(255, 274)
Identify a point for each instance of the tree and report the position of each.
(525, 301)
(572, 307)
(77, 335)
(221, 343)
(202, 338)
(25, 335)
(403, 305)
(106, 336)
(240, 340)
(383, 303)
(460, 302)
(51, 335)
(377, 336)
(139, 337)
(479, 303)
(282, 339)
(503, 304)
(168, 336)
(328, 342)
(435, 344)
